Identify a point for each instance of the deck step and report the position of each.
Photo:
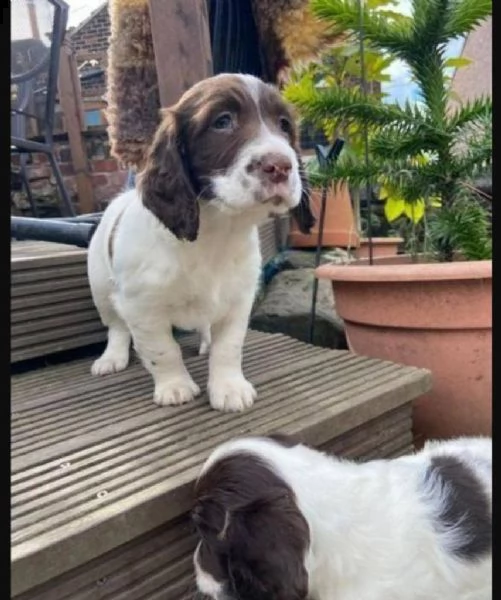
(51, 304)
(101, 477)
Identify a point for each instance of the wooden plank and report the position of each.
(159, 564)
(70, 98)
(52, 324)
(75, 329)
(33, 288)
(50, 310)
(181, 39)
(38, 350)
(79, 436)
(39, 299)
(51, 272)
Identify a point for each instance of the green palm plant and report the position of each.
(425, 155)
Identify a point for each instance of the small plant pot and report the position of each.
(436, 316)
(339, 225)
(380, 247)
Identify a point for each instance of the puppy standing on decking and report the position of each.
(183, 250)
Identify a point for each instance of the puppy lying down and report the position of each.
(281, 521)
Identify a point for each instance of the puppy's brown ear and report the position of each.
(267, 542)
(302, 212)
(166, 182)
(211, 520)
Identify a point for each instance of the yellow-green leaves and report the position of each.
(457, 63)
(396, 206)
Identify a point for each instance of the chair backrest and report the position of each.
(37, 32)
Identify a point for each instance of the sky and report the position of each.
(399, 89)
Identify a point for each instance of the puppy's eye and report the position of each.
(223, 121)
(285, 125)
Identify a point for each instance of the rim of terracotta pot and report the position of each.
(475, 269)
(383, 240)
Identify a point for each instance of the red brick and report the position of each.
(39, 158)
(67, 169)
(104, 166)
(39, 171)
(99, 179)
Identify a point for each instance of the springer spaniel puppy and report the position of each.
(182, 250)
(278, 521)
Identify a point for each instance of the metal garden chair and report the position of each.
(37, 32)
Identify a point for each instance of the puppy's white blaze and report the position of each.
(205, 582)
(253, 84)
(238, 189)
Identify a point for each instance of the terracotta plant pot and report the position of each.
(432, 315)
(339, 225)
(380, 247)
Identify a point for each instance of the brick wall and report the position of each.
(475, 80)
(92, 36)
(108, 178)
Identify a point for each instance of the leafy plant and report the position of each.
(425, 155)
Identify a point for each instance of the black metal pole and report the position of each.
(326, 157)
(48, 230)
(368, 188)
(317, 262)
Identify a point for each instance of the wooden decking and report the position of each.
(51, 305)
(101, 476)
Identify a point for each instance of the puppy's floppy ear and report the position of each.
(267, 541)
(211, 520)
(302, 212)
(166, 184)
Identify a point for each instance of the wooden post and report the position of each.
(70, 98)
(35, 32)
(181, 39)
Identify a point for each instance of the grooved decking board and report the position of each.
(158, 565)
(51, 303)
(95, 463)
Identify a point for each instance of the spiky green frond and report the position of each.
(385, 29)
(336, 102)
(464, 227)
(472, 111)
(396, 142)
(427, 67)
(428, 25)
(465, 15)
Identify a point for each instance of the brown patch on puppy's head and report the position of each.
(230, 138)
(253, 537)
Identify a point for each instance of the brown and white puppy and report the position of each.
(182, 250)
(279, 521)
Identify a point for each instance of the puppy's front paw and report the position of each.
(111, 363)
(231, 394)
(177, 390)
